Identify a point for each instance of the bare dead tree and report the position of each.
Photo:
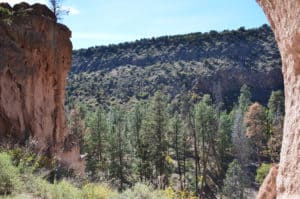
(57, 9)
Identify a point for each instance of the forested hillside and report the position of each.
(218, 63)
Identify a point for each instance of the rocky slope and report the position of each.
(215, 63)
(285, 21)
(34, 62)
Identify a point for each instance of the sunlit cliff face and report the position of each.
(35, 59)
(285, 21)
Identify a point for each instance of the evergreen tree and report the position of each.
(178, 140)
(136, 120)
(257, 130)
(275, 116)
(245, 98)
(96, 144)
(239, 140)
(234, 182)
(77, 126)
(156, 125)
(275, 105)
(119, 168)
(223, 140)
(205, 125)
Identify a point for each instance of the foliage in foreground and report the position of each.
(262, 172)
(19, 182)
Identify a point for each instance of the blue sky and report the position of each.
(103, 22)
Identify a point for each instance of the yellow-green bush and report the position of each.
(262, 172)
(9, 175)
(98, 191)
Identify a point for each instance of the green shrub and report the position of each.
(262, 172)
(64, 190)
(142, 191)
(95, 191)
(9, 175)
(4, 12)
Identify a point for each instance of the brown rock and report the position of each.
(268, 188)
(35, 59)
(284, 17)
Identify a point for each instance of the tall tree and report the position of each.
(275, 105)
(275, 116)
(223, 140)
(245, 98)
(154, 139)
(257, 130)
(77, 126)
(206, 129)
(136, 121)
(57, 9)
(234, 182)
(119, 167)
(239, 139)
(96, 144)
(178, 143)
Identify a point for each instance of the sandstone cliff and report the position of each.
(284, 18)
(35, 59)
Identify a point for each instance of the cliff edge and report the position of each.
(35, 59)
(285, 21)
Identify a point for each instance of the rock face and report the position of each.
(268, 188)
(284, 18)
(35, 59)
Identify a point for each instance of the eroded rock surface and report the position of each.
(35, 57)
(284, 17)
(268, 188)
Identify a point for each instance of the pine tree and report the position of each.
(155, 126)
(223, 140)
(257, 130)
(119, 167)
(245, 98)
(275, 117)
(77, 126)
(239, 139)
(234, 182)
(178, 139)
(205, 125)
(136, 121)
(275, 105)
(96, 144)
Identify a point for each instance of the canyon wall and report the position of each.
(284, 17)
(35, 59)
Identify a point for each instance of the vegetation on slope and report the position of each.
(193, 148)
(217, 63)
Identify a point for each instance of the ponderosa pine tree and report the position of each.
(136, 120)
(244, 99)
(223, 140)
(275, 117)
(240, 142)
(96, 144)
(119, 144)
(178, 142)
(257, 130)
(156, 121)
(206, 130)
(234, 182)
(77, 126)
(275, 105)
